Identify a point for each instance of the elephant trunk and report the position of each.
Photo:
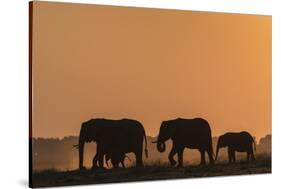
(81, 152)
(161, 147)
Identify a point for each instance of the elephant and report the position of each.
(236, 142)
(191, 133)
(127, 133)
(116, 158)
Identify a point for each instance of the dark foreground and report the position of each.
(76, 177)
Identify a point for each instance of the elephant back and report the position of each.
(194, 133)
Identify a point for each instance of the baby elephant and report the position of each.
(116, 158)
(240, 142)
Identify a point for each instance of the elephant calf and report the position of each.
(116, 159)
(237, 142)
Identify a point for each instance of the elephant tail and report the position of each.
(254, 144)
(212, 150)
(145, 148)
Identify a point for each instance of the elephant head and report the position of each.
(88, 133)
(222, 142)
(165, 134)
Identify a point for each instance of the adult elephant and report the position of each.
(124, 135)
(191, 133)
(236, 142)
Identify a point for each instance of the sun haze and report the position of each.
(151, 65)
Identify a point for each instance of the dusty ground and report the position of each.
(76, 177)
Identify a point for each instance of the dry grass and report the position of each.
(152, 171)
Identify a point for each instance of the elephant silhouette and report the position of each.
(236, 142)
(191, 133)
(129, 134)
(116, 158)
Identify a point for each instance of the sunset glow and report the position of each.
(117, 62)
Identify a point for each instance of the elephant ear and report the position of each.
(169, 129)
(89, 131)
(224, 139)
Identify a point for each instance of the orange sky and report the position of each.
(149, 64)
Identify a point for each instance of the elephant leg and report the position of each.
(98, 158)
(233, 156)
(253, 157)
(95, 162)
(123, 164)
(138, 155)
(248, 156)
(211, 158)
(203, 161)
(229, 155)
(180, 156)
(252, 154)
(115, 165)
(101, 161)
(95, 159)
(171, 156)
